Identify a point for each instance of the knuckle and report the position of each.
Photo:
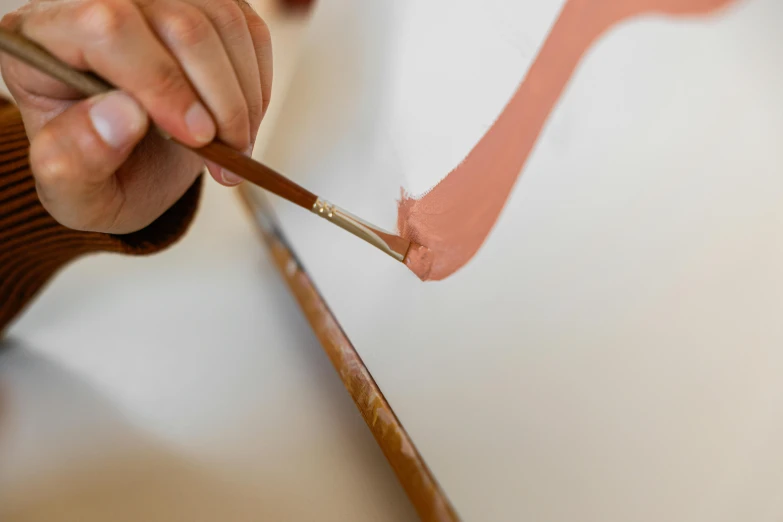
(10, 20)
(188, 27)
(103, 19)
(235, 123)
(260, 30)
(228, 16)
(166, 80)
(15, 19)
(50, 165)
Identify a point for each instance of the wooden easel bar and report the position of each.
(424, 492)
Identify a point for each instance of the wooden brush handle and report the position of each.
(89, 84)
(38, 57)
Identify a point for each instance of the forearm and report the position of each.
(33, 246)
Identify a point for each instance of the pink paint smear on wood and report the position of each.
(456, 216)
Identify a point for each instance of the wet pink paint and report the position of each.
(456, 216)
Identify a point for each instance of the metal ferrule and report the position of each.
(392, 244)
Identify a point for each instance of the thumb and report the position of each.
(75, 155)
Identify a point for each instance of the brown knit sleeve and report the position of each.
(33, 246)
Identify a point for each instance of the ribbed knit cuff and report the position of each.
(33, 246)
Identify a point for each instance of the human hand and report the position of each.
(197, 68)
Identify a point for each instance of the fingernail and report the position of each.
(200, 123)
(118, 119)
(229, 178)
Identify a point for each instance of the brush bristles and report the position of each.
(419, 260)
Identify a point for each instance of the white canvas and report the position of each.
(612, 352)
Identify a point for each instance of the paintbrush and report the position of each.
(415, 256)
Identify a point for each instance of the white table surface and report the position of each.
(182, 386)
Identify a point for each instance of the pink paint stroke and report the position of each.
(454, 219)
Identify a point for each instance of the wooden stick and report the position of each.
(422, 489)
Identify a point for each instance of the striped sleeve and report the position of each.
(33, 246)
